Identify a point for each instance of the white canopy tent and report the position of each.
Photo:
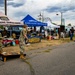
(52, 25)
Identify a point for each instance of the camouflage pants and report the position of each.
(22, 49)
(1, 47)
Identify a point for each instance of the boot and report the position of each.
(22, 56)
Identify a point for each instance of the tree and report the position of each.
(1, 27)
(69, 24)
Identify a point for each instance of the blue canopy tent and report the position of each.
(31, 22)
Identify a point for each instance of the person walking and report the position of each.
(23, 36)
(4, 33)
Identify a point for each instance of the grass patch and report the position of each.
(47, 50)
(38, 52)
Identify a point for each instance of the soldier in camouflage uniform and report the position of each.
(23, 35)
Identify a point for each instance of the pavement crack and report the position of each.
(30, 66)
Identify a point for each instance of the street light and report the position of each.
(41, 17)
(61, 17)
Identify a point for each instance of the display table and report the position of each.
(34, 39)
(10, 55)
(7, 41)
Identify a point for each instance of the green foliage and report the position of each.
(1, 27)
(69, 24)
(74, 35)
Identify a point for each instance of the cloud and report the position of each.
(16, 3)
(18, 9)
(1, 3)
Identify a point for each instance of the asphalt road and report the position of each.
(57, 60)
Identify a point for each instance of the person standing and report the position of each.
(46, 34)
(71, 33)
(4, 33)
(23, 36)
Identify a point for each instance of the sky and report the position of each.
(18, 9)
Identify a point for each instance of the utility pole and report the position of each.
(5, 6)
(61, 18)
